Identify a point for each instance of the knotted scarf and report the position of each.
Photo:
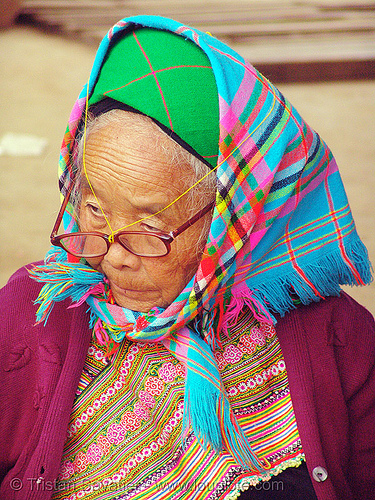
(281, 229)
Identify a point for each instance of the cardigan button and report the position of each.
(319, 474)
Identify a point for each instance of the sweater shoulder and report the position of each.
(18, 312)
(20, 289)
(343, 313)
(342, 304)
(340, 319)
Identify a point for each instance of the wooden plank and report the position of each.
(327, 47)
(229, 29)
(274, 12)
(313, 71)
(202, 17)
(347, 6)
(296, 41)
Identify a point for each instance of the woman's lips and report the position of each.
(126, 291)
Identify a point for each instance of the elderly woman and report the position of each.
(191, 340)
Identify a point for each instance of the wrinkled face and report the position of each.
(133, 176)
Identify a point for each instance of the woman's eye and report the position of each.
(93, 209)
(153, 229)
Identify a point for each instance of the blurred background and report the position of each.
(321, 54)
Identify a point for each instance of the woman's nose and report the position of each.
(118, 257)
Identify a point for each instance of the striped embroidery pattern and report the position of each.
(124, 438)
(95, 362)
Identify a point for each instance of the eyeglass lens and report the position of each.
(90, 245)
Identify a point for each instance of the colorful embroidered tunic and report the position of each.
(124, 438)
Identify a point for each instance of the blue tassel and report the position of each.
(62, 280)
(207, 411)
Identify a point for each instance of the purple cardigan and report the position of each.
(329, 350)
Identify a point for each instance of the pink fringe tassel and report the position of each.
(100, 333)
(241, 296)
(97, 289)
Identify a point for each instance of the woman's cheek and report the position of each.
(94, 262)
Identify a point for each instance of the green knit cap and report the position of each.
(170, 79)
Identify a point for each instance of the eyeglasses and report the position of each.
(141, 243)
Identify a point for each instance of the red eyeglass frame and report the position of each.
(166, 238)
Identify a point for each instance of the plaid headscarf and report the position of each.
(281, 229)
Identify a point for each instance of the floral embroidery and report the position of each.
(232, 354)
(259, 379)
(110, 393)
(154, 385)
(257, 336)
(141, 410)
(146, 399)
(115, 433)
(247, 345)
(104, 444)
(181, 370)
(120, 435)
(94, 453)
(66, 470)
(168, 372)
(80, 462)
(130, 421)
(268, 329)
(220, 360)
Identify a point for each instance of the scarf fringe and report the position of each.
(62, 281)
(101, 334)
(242, 296)
(326, 276)
(104, 332)
(202, 401)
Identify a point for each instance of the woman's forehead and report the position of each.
(137, 131)
(138, 165)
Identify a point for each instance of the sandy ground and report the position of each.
(41, 76)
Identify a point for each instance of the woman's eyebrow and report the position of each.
(84, 183)
(151, 208)
(142, 206)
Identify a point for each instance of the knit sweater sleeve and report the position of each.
(40, 367)
(18, 366)
(329, 350)
(353, 333)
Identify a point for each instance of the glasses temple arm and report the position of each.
(62, 210)
(193, 220)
